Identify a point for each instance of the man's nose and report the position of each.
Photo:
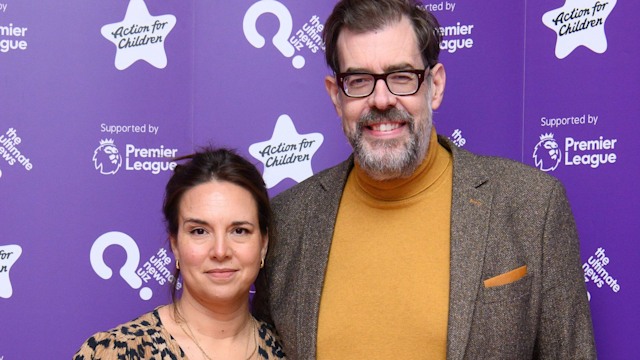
(382, 98)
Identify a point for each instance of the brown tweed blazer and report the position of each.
(504, 215)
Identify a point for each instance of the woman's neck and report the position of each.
(208, 332)
(221, 322)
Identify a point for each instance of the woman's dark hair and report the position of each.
(367, 15)
(214, 164)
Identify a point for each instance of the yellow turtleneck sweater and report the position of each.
(386, 289)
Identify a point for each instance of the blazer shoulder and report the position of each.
(494, 170)
(329, 180)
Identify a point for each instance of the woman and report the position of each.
(218, 218)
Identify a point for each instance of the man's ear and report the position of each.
(439, 79)
(333, 90)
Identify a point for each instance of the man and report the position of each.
(413, 248)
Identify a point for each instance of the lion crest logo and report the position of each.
(546, 154)
(106, 158)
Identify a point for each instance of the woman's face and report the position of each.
(218, 244)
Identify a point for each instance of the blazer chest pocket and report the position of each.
(502, 314)
(516, 291)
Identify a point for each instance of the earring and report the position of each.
(261, 263)
(177, 264)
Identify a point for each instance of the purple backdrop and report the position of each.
(96, 97)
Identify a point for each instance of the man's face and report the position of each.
(389, 133)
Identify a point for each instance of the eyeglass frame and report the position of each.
(420, 73)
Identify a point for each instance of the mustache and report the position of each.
(375, 116)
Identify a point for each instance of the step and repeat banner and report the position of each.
(97, 97)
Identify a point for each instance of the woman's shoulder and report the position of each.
(143, 337)
(144, 325)
(270, 342)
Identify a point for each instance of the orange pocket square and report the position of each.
(507, 277)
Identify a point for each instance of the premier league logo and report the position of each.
(106, 158)
(547, 154)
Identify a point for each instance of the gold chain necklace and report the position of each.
(193, 338)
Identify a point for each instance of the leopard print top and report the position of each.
(146, 338)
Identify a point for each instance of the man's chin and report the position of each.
(384, 149)
(383, 160)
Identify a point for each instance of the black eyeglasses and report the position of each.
(399, 82)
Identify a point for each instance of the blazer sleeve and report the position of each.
(565, 330)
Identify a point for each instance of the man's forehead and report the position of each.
(389, 48)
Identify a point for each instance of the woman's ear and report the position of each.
(265, 246)
(174, 247)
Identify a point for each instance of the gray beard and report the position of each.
(399, 158)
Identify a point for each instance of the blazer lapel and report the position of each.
(470, 212)
(320, 221)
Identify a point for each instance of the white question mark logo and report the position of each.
(280, 39)
(128, 270)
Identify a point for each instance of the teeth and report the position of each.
(385, 127)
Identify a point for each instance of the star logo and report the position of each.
(287, 154)
(139, 36)
(577, 23)
(9, 254)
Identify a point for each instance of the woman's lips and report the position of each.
(221, 273)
